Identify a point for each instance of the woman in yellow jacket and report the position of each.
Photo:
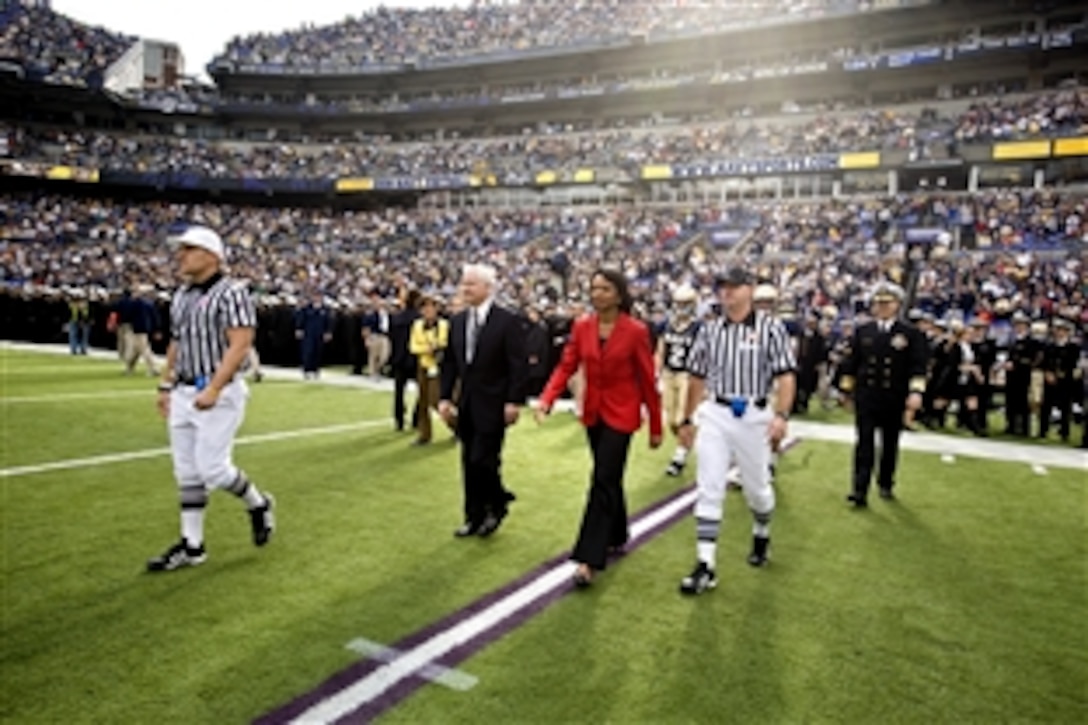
(428, 341)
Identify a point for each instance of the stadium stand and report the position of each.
(56, 49)
(848, 153)
(393, 36)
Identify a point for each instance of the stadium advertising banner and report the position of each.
(1071, 146)
(747, 167)
(863, 160)
(167, 180)
(1021, 150)
(656, 172)
(39, 170)
(363, 183)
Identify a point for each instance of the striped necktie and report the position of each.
(472, 336)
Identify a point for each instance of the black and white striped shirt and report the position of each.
(200, 316)
(740, 360)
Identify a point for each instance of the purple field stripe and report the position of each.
(406, 687)
(358, 670)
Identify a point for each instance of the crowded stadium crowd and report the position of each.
(57, 48)
(819, 252)
(818, 262)
(391, 36)
(515, 159)
(988, 258)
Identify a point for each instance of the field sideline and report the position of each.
(965, 601)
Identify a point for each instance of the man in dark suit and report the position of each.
(313, 329)
(1023, 357)
(885, 371)
(401, 359)
(486, 354)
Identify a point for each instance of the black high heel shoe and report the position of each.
(583, 578)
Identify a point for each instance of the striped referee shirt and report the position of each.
(741, 359)
(200, 316)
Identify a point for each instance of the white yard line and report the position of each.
(63, 397)
(109, 458)
(411, 661)
(1050, 456)
(446, 676)
(12, 368)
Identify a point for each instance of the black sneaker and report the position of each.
(177, 556)
(758, 557)
(263, 521)
(674, 469)
(699, 580)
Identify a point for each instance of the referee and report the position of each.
(202, 394)
(735, 360)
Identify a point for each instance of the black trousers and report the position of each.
(604, 522)
(1017, 411)
(1056, 397)
(888, 418)
(311, 350)
(481, 470)
(401, 376)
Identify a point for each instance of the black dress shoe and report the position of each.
(886, 494)
(469, 528)
(858, 501)
(490, 525)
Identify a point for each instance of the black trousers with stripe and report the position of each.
(604, 523)
(887, 416)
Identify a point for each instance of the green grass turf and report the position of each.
(964, 602)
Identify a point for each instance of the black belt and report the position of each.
(184, 380)
(740, 405)
(760, 403)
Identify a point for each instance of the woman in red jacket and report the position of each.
(613, 348)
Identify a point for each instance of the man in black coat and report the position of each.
(1061, 369)
(537, 351)
(885, 371)
(486, 354)
(811, 354)
(401, 359)
(1024, 355)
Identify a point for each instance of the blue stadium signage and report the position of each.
(757, 167)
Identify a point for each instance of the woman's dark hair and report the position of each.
(617, 280)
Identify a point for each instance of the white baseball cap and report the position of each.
(198, 236)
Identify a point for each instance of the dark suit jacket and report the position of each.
(882, 369)
(498, 372)
(400, 328)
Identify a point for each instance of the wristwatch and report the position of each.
(686, 422)
(779, 414)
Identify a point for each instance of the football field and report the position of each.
(965, 602)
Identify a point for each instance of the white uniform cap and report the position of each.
(684, 294)
(765, 293)
(202, 237)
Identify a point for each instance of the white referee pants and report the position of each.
(722, 439)
(201, 441)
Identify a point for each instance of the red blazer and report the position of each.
(619, 377)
